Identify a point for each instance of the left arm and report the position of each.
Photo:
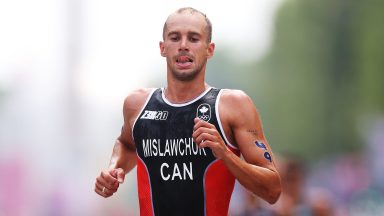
(257, 172)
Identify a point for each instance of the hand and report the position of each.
(206, 135)
(108, 182)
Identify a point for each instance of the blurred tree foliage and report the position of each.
(324, 73)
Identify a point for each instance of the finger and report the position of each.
(206, 143)
(98, 186)
(99, 190)
(198, 123)
(203, 130)
(204, 137)
(107, 180)
(104, 191)
(100, 193)
(201, 123)
(107, 192)
(104, 188)
(120, 175)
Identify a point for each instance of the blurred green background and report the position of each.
(320, 93)
(322, 77)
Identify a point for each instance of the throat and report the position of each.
(184, 95)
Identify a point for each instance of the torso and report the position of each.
(175, 177)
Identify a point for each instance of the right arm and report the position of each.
(123, 157)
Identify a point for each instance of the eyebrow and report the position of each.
(172, 32)
(189, 33)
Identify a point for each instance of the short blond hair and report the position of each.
(192, 11)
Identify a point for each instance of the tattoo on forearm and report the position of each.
(253, 131)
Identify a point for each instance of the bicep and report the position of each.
(131, 109)
(129, 114)
(126, 137)
(255, 150)
(249, 136)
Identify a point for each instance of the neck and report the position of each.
(184, 92)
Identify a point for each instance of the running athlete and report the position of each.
(186, 138)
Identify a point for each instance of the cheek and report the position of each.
(163, 53)
(172, 50)
(201, 58)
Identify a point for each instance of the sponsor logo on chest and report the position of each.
(154, 115)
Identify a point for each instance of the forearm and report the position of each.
(261, 181)
(122, 157)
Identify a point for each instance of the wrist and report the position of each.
(227, 154)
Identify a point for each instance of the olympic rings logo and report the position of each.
(204, 112)
(204, 117)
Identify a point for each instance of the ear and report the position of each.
(162, 49)
(210, 50)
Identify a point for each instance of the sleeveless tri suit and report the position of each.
(175, 177)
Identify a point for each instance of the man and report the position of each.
(186, 138)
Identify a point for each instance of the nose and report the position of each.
(184, 44)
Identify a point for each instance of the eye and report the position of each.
(194, 39)
(174, 38)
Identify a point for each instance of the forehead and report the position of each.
(179, 22)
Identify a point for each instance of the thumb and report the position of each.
(120, 175)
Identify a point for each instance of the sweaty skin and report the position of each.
(186, 48)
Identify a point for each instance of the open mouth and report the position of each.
(183, 59)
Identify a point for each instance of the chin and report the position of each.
(185, 75)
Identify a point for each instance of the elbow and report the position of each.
(270, 195)
(272, 191)
(273, 195)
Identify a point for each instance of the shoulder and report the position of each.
(234, 97)
(136, 99)
(136, 96)
(236, 106)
